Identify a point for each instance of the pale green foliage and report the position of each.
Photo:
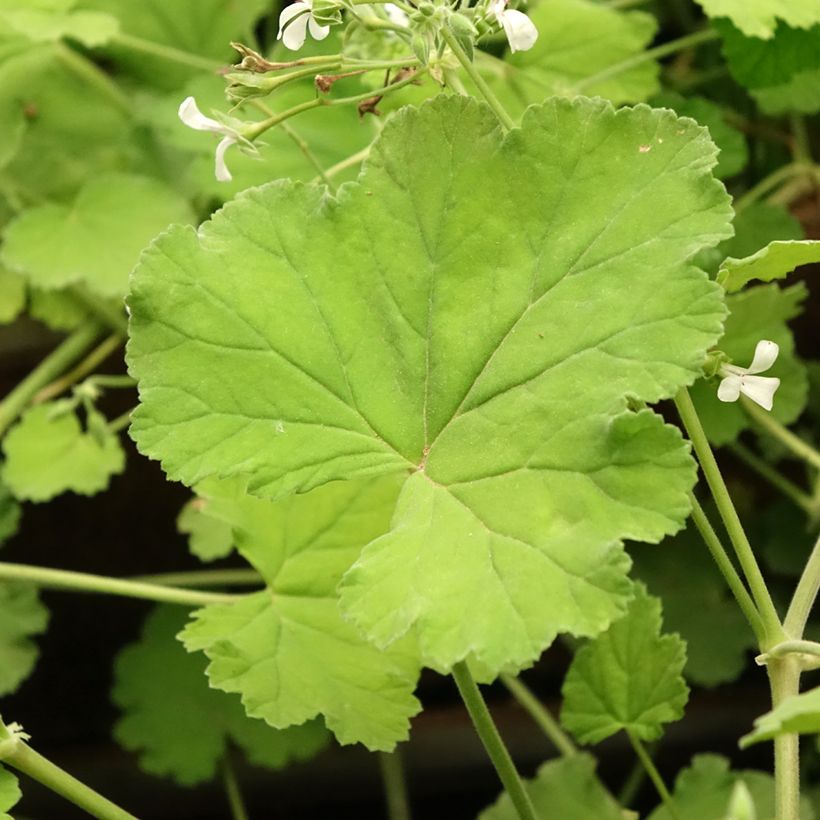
(704, 791)
(179, 725)
(564, 54)
(12, 295)
(9, 513)
(759, 18)
(287, 650)
(490, 358)
(630, 677)
(761, 312)
(208, 538)
(563, 789)
(21, 616)
(10, 793)
(798, 713)
(57, 309)
(48, 452)
(96, 240)
(40, 23)
(695, 598)
(776, 261)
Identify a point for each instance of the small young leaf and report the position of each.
(98, 239)
(10, 793)
(630, 677)
(564, 789)
(181, 727)
(287, 650)
(49, 453)
(798, 713)
(21, 616)
(776, 261)
(208, 537)
(759, 18)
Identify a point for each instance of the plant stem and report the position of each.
(775, 429)
(497, 751)
(654, 774)
(743, 549)
(85, 582)
(632, 785)
(89, 71)
(395, 788)
(343, 165)
(169, 53)
(232, 790)
(784, 679)
(100, 308)
(673, 47)
(769, 183)
(795, 647)
(540, 714)
(121, 422)
(726, 567)
(54, 365)
(23, 758)
(800, 140)
(804, 595)
(86, 366)
(302, 145)
(480, 83)
(203, 578)
(766, 471)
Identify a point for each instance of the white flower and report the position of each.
(520, 30)
(737, 380)
(294, 23)
(395, 15)
(190, 114)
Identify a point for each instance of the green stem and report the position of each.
(121, 421)
(726, 567)
(632, 784)
(540, 714)
(766, 471)
(96, 357)
(54, 365)
(784, 679)
(232, 790)
(774, 428)
(302, 145)
(395, 788)
(654, 774)
(769, 183)
(85, 582)
(204, 578)
(103, 310)
(804, 595)
(665, 50)
(800, 140)
(498, 109)
(91, 73)
(497, 751)
(795, 647)
(17, 754)
(348, 162)
(743, 549)
(173, 55)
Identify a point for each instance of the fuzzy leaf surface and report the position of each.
(776, 261)
(630, 677)
(178, 725)
(287, 650)
(21, 617)
(487, 364)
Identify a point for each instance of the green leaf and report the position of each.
(704, 791)
(563, 789)
(57, 309)
(48, 453)
(776, 261)
(21, 616)
(90, 28)
(10, 793)
(578, 40)
(178, 725)
(9, 513)
(759, 18)
(695, 598)
(761, 312)
(208, 537)
(96, 240)
(487, 364)
(287, 650)
(12, 295)
(630, 677)
(798, 714)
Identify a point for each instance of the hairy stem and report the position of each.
(778, 481)
(540, 714)
(731, 520)
(395, 788)
(775, 429)
(804, 595)
(98, 355)
(784, 679)
(54, 365)
(348, 162)
(654, 774)
(497, 751)
(232, 791)
(85, 582)
(204, 578)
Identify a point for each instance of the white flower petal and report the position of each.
(765, 356)
(293, 22)
(220, 168)
(760, 389)
(396, 15)
(191, 116)
(497, 8)
(520, 30)
(317, 32)
(729, 388)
